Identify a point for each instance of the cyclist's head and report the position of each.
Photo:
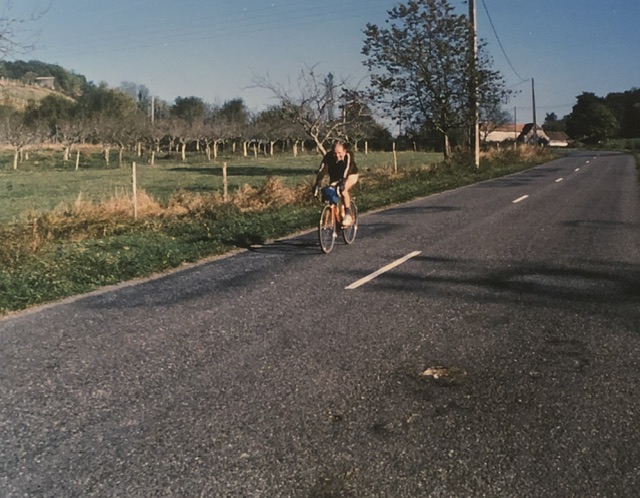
(339, 150)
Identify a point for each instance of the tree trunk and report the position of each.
(16, 155)
(106, 151)
(184, 151)
(295, 149)
(152, 160)
(446, 147)
(67, 152)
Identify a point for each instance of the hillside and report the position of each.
(17, 94)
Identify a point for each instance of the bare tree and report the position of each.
(18, 134)
(71, 132)
(14, 39)
(152, 134)
(311, 105)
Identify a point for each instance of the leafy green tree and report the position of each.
(50, 110)
(139, 93)
(552, 123)
(591, 120)
(626, 108)
(421, 68)
(109, 111)
(104, 102)
(190, 109)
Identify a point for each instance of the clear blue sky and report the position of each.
(214, 49)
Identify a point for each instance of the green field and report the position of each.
(45, 182)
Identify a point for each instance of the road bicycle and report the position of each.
(330, 225)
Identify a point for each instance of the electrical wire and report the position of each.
(522, 80)
(233, 22)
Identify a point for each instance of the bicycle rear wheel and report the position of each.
(349, 233)
(327, 229)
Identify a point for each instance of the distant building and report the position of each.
(558, 139)
(533, 135)
(46, 82)
(502, 133)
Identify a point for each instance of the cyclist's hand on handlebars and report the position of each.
(340, 185)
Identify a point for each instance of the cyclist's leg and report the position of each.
(350, 181)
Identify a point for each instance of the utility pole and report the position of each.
(515, 127)
(473, 90)
(535, 124)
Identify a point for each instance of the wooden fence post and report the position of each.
(225, 186)
(135, 191)
(395, 159)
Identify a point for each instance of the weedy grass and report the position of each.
(87, 243)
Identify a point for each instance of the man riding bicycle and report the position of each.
(343, 173)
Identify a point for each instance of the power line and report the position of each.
(236, 22)
(500, 43)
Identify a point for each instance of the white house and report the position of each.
(504, 132)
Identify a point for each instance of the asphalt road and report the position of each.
(498, 358)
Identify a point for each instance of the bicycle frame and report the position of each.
(331, 224)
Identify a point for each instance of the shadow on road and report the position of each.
(580, 281)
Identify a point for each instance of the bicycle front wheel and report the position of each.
(327, 229)
(349, 233)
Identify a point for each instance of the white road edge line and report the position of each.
(520, 199)
(382, 270)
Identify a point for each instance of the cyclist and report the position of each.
(341, 167)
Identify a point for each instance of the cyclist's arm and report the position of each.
(347, 158)
(324, 170)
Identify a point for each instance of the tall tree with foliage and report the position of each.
(591, 120)
(421, 67)
(192, 109)
(626, 108)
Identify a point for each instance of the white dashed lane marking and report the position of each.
(382, 270)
